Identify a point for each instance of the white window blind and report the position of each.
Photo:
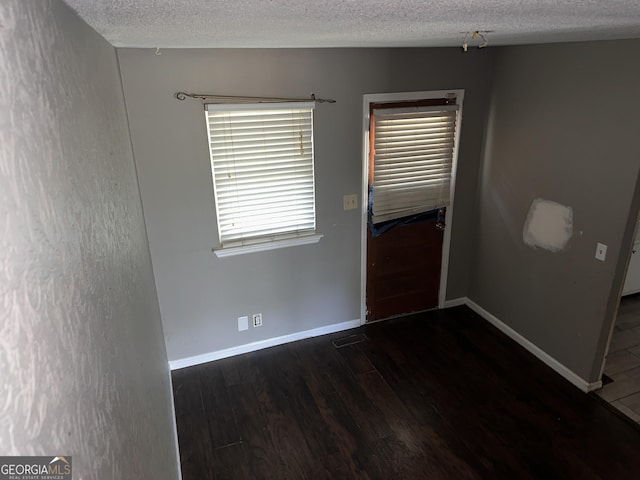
(413, 158)
(262, 164)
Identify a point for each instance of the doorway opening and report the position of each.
(410, 146)
(621, 368)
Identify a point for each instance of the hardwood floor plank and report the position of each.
(196, 453)
(186, 392)
(336, 415)
(290, 393)
(366, 414)
(231, 463)
(216, 402)
(355, 359)
(439, 395)
(425, 447)
(257, 445)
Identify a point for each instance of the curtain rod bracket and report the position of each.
(237, 99)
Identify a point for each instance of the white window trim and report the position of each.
(446, 243)
(222, 252)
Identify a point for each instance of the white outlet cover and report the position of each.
(601, 252)
(243, 323)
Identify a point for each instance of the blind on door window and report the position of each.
(262, 164)
(413, 158)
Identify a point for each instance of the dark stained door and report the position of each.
(403, 270)
(403, 263)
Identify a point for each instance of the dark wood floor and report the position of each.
(441, 395)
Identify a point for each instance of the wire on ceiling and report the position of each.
(475, 35)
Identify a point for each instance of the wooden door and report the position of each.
(403, 263)
(403, 270)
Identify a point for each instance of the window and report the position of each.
(411, 156)
(263, 175)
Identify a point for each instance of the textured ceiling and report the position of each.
(347, 23)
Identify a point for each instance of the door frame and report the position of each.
(368, 99)
(622, 266)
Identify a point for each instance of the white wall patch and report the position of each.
(549, 225)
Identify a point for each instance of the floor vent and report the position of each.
(350, 340)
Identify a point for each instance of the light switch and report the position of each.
(601, 251)
(349, 202)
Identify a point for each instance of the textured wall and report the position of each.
(297, 288)
(83, 366)
(563, 127)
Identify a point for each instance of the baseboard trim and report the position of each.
(252, 347)
(533, 349)
(456, 302)
(547, 359)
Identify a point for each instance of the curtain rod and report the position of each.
(236, 99)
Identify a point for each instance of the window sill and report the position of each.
(271, 245)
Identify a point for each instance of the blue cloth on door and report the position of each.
(377, 229)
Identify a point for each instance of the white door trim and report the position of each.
(400, 97)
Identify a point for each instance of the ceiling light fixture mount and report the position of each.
(475, 35)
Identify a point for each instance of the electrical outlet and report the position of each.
(257, 319)
(349, 202)
(243, 323)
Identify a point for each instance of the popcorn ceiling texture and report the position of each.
(82, 359)
(349, 23)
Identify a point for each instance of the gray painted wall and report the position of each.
(563, 127)
(298, 288)
(82, 358)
